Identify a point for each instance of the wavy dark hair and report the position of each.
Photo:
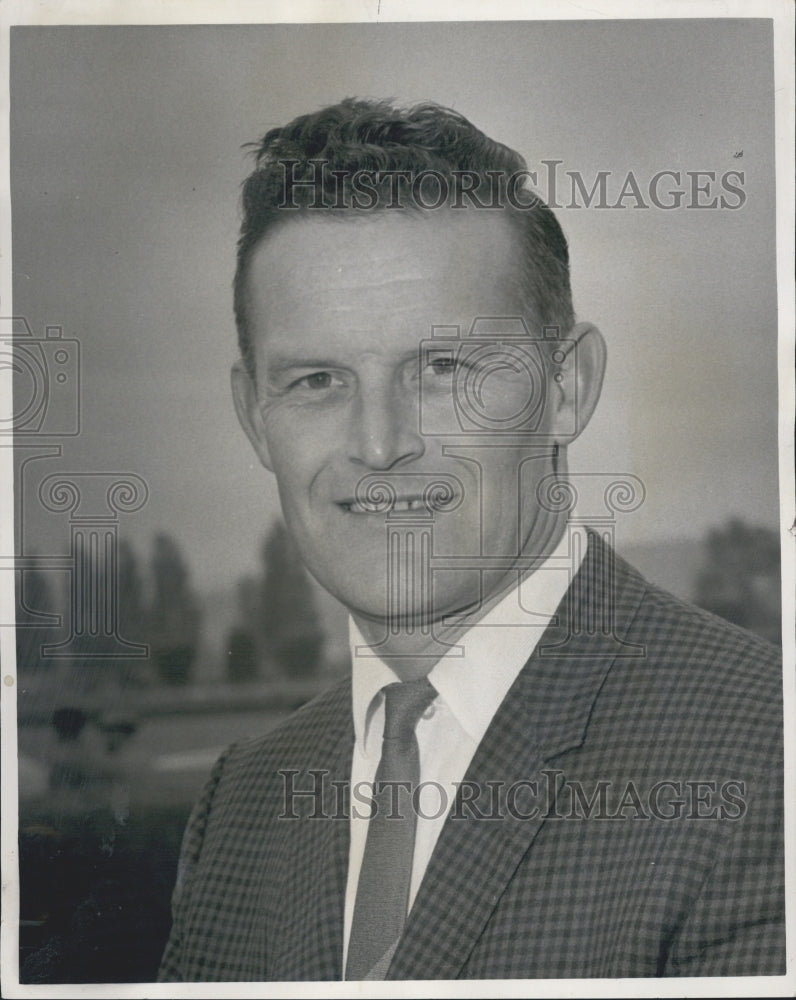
(314, 161)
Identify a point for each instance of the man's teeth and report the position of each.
(397, 505)
(408, 505)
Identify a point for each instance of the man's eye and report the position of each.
(442, 366)
(316, 380)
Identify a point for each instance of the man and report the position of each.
(542, 766)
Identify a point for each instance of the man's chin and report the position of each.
(375, 606)
(380, 617)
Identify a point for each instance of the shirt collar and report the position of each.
(474, 676)
(369, 675)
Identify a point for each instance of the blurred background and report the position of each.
(125, 169)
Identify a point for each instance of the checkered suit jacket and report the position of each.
(649, 733)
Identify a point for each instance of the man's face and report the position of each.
(338, 311)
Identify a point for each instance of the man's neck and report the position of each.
(411, 647)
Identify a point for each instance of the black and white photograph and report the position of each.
(397, 571)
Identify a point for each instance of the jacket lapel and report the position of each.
(309, 937)
(545, 713)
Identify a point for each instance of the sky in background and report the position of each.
(126, 167)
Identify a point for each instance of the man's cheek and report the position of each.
(296, 450)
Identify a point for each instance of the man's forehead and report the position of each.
(394, 258)
(463, 237)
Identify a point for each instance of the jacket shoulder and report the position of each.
(308, 735)
(678, 627)
(698, 679)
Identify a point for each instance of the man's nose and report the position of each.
(384, 429)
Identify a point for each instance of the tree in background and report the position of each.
(74, 664)
(740, 578)
(289, 627)
(244, 653)
(174, 617)
(242, 660)
(132, 609)
(132, 622)
(34, 610)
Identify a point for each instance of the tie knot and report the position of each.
(404, 703)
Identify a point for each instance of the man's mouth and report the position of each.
(387, 506)
(432, 493)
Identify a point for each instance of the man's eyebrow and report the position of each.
(283, 363)
(280, 363)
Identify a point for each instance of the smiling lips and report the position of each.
(389, 506)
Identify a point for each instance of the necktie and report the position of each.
(383, 887)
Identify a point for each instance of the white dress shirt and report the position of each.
(472, 681)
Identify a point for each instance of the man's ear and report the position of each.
(577, 392)
(244, 395)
